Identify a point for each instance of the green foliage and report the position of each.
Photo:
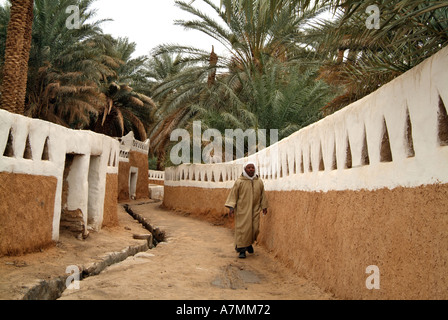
(71, 72)
(286, 97)
(410, 32)
(268, 81)
(152, 163)
(283, 69)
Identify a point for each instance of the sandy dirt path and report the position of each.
(19, 274)
(197, 261)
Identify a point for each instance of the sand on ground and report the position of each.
(196, 262)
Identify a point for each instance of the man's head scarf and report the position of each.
(245, 173)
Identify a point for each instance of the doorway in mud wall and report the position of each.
(72, 218)
(133, 177)
(81, 189)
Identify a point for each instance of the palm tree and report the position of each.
(66, 66)
(252, 29)
(132, 71)
(410, 32)
(17, 49)
(126, 109)
(255, 86)
(81, 77)
(177, 84)
(286, 96)
(162, 66)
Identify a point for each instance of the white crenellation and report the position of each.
(156, 175)
(49, 145)
(129, 143)
(387, 139)
(123, 155)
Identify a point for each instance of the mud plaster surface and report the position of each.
(158, 182)
(20, 273)
(110, 218)
(207, 204)
(140, 161)
(337, 235)
(197, 262)
(137, 160)
(333, 237)
(27, 227)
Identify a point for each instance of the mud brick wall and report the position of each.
(207, 204)
(48, 170)
(364, 187)
(110, 216)
(137, 160)
(26, 212)
(332, 237)
(123, 181)
(140, 160)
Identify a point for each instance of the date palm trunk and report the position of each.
(17, 51)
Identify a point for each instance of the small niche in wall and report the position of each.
(310, 163)
(281, 171)
(410, 152)
(443, 123)
(9, 149)
(321, 160)
(365, 159)
(348, 155)
(302, 169)
(334, 164)
(294, 167)
(45, 152)
(28, 153)
(386, 152)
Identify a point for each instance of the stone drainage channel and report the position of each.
(53, 289)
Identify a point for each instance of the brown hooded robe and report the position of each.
(248, 199)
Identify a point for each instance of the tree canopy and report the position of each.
(286, 65)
